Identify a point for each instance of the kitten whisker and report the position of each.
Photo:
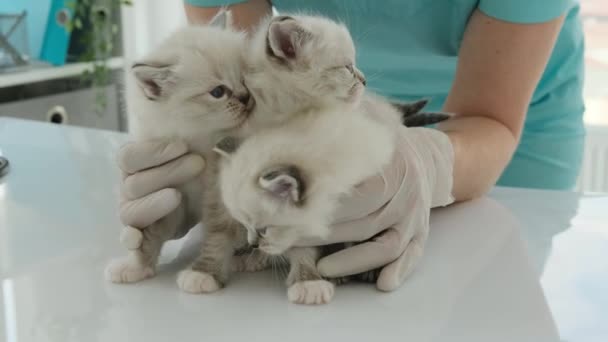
(364, 34)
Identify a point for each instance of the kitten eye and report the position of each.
(350, 68)
(218, 91)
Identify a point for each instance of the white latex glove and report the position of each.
(393, 207)
(151, 171)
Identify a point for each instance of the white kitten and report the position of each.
(301, 63)
(284, 90)
(284, 183)
(190, 88)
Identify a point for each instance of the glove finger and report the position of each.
(395, 273)
(131, 238)
(171, 174)
(362, 257)
(144, 211)
(137, 156)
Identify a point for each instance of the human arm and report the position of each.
(245, 14)
(500, 64)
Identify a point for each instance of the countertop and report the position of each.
(517, 265)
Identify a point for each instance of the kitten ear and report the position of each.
(227, 146)
(285, 183)
(286, 37)
(223, 19)
(154, 80)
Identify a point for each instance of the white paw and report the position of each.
(197, 282)
(311, 292)
(131, 238)
(126, 270)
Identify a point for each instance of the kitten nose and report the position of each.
(244, 98)
(359, 75)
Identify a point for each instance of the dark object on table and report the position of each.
(3, 166)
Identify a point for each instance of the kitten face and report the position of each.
(194, 81)
(274, 203)
(309, 58)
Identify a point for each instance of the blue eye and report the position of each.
(218, 91)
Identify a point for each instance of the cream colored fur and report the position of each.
(333, 155)
(169, 95)
(323, 125)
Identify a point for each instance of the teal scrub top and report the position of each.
(409, 49)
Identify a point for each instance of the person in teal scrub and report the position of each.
(511, 71)
(499, 63)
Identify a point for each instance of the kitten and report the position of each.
(284, 184)
(189, 88)
(282, 96)
(301, 72)
(299, 63)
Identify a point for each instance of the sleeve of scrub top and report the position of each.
(213, 3)
(525, 11)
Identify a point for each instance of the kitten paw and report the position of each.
(127, 271)
(197, 282)
(311, 292)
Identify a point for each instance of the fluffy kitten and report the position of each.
(189, 88)
(276, 77)
(329, 135)
(299, 63)
(284, 184)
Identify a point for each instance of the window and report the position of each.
(595, 22)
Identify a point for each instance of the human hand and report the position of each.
(389, 213)
(151, 171)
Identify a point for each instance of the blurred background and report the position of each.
(62, 61)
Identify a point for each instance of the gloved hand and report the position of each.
(392, 209)
(151, 171)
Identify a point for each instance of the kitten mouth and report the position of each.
(244, 115)
(250, 106)
(353, 93)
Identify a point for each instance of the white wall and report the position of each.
(147, 22)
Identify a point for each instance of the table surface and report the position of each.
(518, 265)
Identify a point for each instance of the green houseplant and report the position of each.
(94, 27)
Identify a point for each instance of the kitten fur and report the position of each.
(173, 93)
(283, 183)
(303, 67)
(298, 63)
(292, 78)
